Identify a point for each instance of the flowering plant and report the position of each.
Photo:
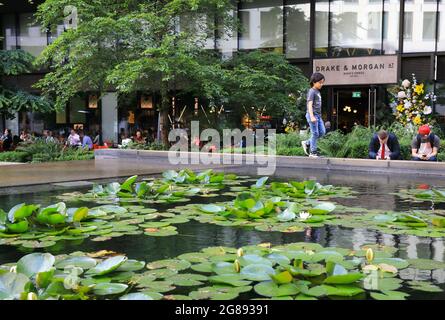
(413, 104)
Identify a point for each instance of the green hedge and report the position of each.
(40, 151)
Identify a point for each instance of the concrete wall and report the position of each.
(109, 117)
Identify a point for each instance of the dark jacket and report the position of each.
(393, 145)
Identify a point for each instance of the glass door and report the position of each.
(352, 108)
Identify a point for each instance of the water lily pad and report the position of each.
(396, 262)
(423, 286)
(12, 285)
(157, 286)
(253, 259)
(107, 266)
(194, 257)
(235, 280)
(34, 263)
(131, 265)
(173, 264)
(389, 295)
(344, 278)
(161, 232)
(322, 208)
(257, 272)
(205, 267)
(271, 289)
(426, 264)
(136, 296)
(103, 289)
(187, 280)
(81, 262)
(38, 244)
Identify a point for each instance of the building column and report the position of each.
(109, 117)
(13, 124)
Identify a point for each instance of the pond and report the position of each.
(373, 192)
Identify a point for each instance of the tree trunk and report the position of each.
(164, 110)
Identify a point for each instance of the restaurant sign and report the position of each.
(359, 70)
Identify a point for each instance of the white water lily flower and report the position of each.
(304, 215)
(427, 110)
(406, 83)
(401, 95)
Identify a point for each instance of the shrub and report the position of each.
(13, 156)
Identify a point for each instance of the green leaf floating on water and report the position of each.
(322, 208)
(426, 264)
(136, 296)
(34, 263)
(235, 280)
(103, 289)
(81, 262)
(107, 266)
(257, 272)
(271, 289)
(12, 285)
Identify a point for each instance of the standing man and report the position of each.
(425, 146)
(313, 115)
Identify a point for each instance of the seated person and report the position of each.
(384, 146)
(86, 140)
(6, 139)
(425, 145)
(138, 138)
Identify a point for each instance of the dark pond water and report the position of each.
(374, 193)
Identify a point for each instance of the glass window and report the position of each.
(391, 19)
(9, 32)
(408, 26)
(356, 28)
(441, 31)
(321, 28)
(262, 27)
(298, 14)
(31, 38)
(440, 103)
(227, 41)
(420, 26)
(77, 110)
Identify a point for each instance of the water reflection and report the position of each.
(375, 192)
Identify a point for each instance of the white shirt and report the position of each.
(387, 151)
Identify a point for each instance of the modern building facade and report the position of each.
(362, 46)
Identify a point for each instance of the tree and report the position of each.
(265, 81)
(159, 46)
(128, 46)
(12, 100)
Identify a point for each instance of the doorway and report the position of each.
(354, 106)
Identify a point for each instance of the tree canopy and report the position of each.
(159, 46)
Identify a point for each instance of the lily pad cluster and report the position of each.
(251, 209)
(302, 189)
(298, 271)
(172, 187)
(417, 223)
(423, 193)
(31, 226)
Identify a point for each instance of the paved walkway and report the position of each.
(124, 163)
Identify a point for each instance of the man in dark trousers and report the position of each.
(425, 146)
(384, 146)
